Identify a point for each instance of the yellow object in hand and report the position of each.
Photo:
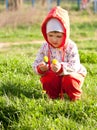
(45, 59)
(54, 61)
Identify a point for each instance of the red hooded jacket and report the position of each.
(62, 16)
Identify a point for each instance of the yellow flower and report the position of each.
(45, 59)
(43, 91)
(54, 61)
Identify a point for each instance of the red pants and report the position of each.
(55, 86)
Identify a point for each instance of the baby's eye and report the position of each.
(50, 35)
(59, 36)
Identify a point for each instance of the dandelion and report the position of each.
(43, 91)
(54, 61)
(43, 94)
(46, 59)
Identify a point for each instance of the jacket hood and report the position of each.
(61, 15)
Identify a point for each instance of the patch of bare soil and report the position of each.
(26, 15)
(8, 44)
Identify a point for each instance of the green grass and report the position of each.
(18, 34)
(23, 104)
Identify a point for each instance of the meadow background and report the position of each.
(23, 104)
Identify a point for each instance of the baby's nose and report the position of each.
(54, 40)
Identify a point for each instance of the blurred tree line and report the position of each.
(16, 4)
(13, 4)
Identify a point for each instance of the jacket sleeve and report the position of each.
(39, 58)
(71, 60)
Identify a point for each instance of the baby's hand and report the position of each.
(55, 66)
(43, 66)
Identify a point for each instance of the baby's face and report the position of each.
(55, 38)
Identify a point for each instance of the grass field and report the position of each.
(23, 104)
